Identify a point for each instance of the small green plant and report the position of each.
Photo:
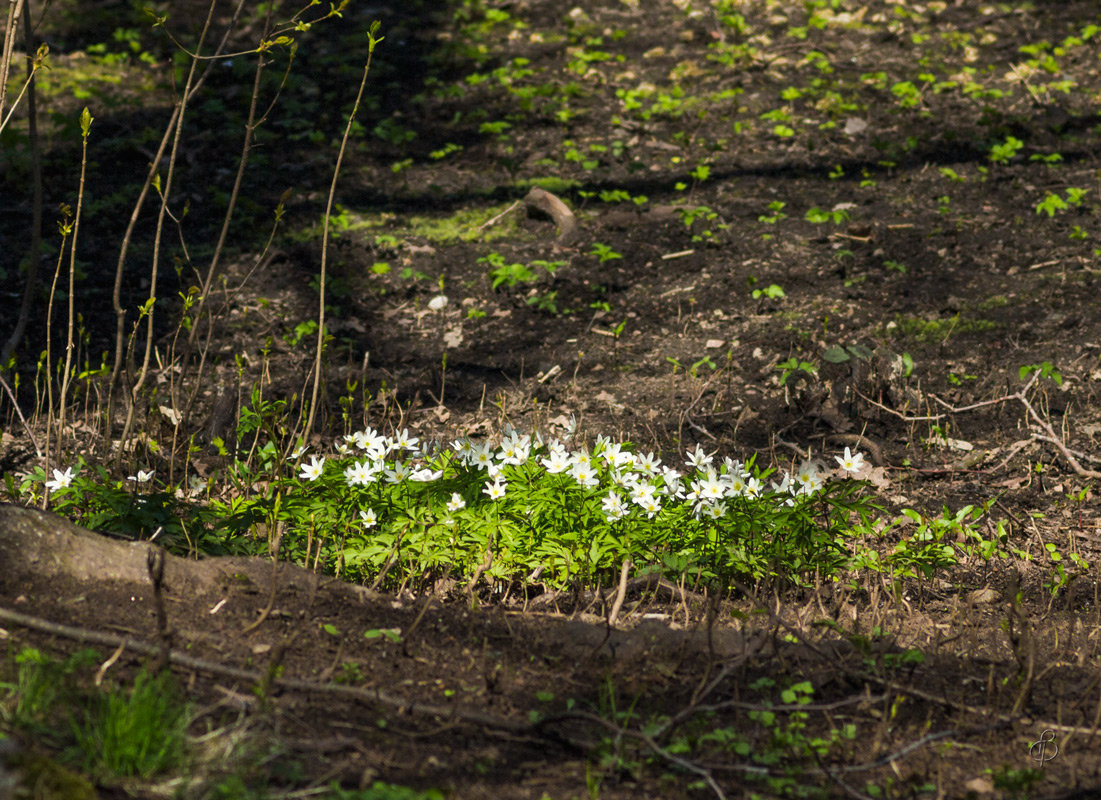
(793, 366)
(604, 252)
(772, 291)
(1045, 369)
(819, 216)
(1051, 204)
(776, 207)
(508, 275)
(1002, 152)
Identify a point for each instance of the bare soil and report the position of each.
(667, 346)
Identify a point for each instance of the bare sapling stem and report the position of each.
(372, 41)
(85, 127)
(150, 179)
(31, 282)
(7, 48)
(165, 192)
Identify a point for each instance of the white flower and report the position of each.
(583, 473)
(343, 449)
(372, 441)
(783, 486)
(624, 479)
(426, 475)
(615, 456)
(368, 517)
(581, 457)
(495, 489)
(650, 504)
(438, 302)
(851, 462)
(710, 489)
(142, 476)
(735, 484)
(709, 510)
(808, 473)
(298, 452)
(514, 450)
(733, 466)
(647, 464)
(481, 456)
(360, 474)
(698, 459)
(557, 462)
(463, 449)
(673, 486)
(456, 503)
(613, 507)
(399, 473)
(753, 487)
(312, 471)
(643, 492)
(404, 441)
(61, 479)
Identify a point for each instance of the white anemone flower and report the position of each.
(312, 471)
(359, 474)
(481, 456)
(651, 505)
(61, 479)
(399, 473)
(613, 506)
(583, 473)
(426, 475)
(647, 464)
(404, 441)
(698, 459)
(710, 489)
(557, 461)
(369, 518)
(851, 462)
(456, 503)
(495, 489)
(143, 476)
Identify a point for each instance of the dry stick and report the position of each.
(1054, 439)
(135, 213)
(621, 593)
(254, 676)
(372, 42)
(49, 362)
(165, 193)
(85, 126)
(31, 281)
(251, 125)
(14, 7)
(15, 405)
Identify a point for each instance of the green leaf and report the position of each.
(836, 354)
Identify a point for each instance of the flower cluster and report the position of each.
(626, 480)
(571, 510)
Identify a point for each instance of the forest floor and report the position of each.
(800, 227)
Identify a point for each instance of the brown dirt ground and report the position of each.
(989, 285)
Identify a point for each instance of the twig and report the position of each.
(621, 593)
(376, 696)
(26, 427)
(493, 221)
